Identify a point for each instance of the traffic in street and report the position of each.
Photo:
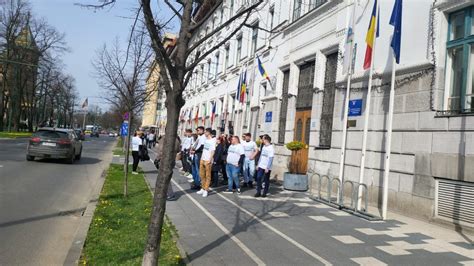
(41, 201)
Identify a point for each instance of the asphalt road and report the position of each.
(41, 202)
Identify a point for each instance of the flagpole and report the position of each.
(346, 110)
(250, 96)
(84, 120)
(388, 145)
(367, 112)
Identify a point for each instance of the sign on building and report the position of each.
(268, 117)
(355, 107)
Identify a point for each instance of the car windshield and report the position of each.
(51, 134)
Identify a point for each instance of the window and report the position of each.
(222, 15)
(226, 62)
(327, 112)
(209, 70)
(272, 15)
(217, 65)
(202, 74)
(315, 3)
(297, 9)
(460, 62)
(283, 107)
(254, 38)
(239, 49)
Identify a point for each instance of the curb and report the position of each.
(75, 251)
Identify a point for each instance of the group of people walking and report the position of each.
(205, 156)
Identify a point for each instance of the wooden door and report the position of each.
(299, 160)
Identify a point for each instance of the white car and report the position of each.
(113, 134)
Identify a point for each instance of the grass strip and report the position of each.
(118, 231)
(14, 135)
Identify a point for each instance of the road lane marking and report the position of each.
(276, 231)
(239, 243)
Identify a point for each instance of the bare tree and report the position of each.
(121, 73)
(26, 42)
(176, 69)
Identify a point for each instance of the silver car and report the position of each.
(55, 143)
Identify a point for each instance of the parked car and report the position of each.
(113, 134)
(95, 133)
(54, 143)
(80, 134)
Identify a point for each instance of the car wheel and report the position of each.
(30, 158)
(71, 159)
(78, 157)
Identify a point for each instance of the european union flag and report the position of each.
(396, 22)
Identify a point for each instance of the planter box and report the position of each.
(297, 182)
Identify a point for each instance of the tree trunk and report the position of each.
(127, 155)
(150, 256)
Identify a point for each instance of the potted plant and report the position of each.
(296, 178)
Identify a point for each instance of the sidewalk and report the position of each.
(288, 228)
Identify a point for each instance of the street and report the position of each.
(41, 202)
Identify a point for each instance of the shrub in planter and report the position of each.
(296, 178)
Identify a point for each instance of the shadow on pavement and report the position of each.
(76, 212)
(83, 161)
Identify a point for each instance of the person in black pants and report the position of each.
(136, 143)
(218, 162)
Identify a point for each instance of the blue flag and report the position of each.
(396, 22)
(239, 85)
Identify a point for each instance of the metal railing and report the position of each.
(339, 201)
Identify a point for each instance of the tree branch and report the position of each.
(176, 12)
(247, 11)
(206, 17)
(211, 50)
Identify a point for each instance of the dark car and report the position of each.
(95, 133)
(80, 134)
(56, 143)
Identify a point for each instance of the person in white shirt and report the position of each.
(265, 166)
(185, 148)
(196, 153)
(235, 159)
(151, 139)
(206, 162)
(251, 150)
(136, 143)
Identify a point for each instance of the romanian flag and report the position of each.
(213, 114)
(372, 33)
(196, 118)
(243, 87)
(262, 70)
(204, 114)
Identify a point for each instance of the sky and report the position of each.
(86, 31)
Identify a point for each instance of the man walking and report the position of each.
(251, 150)
(151, 139)
(206, 162)
(185, 148)
(265, 166)
(196, 151)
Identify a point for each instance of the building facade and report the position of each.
(301, 46)
(154, 110)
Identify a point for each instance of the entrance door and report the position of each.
(302, 131)
(304, 104)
